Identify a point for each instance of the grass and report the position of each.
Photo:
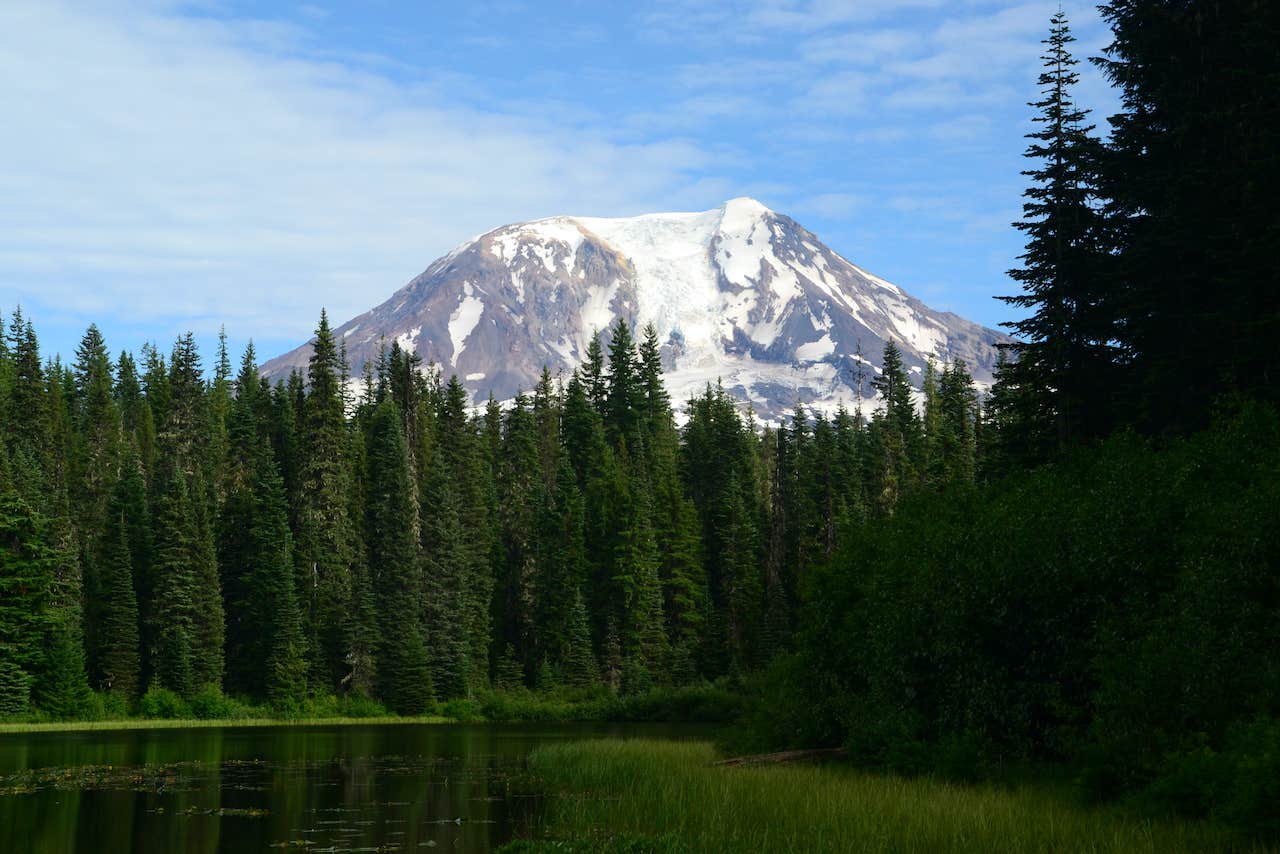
(659, 796)
(165, 710)
(192, 723)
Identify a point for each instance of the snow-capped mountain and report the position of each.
(740, 293)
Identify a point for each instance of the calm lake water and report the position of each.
(411, 787)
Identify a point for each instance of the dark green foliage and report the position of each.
(391, 520)
(118, 662)
(62, 691)
(509, 674)
(325, 546)
(578, 663)
(15, 685)
(1065, 362)
(174, 581)
(1191, 176)
(1056, 616)
(163, 704)
(28, 568)
(443, 583)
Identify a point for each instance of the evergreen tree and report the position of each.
(625, 403)
(173, 633)
(392, 541)
(63, 692)
(118, 664)
(445, 598)
(325, 548)
(28, 568)
(1065, 358)
(520, 487)
(593, 376)
(958, 424)
(579, 667)
(1192, 179)
(15, 684)
(471, 474)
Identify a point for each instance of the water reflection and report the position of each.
(341, 788)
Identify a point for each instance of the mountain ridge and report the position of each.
(739, 293)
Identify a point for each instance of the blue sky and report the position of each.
(168, 166)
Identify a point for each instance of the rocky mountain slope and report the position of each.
(740, 293)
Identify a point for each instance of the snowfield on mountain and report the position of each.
(739, 294)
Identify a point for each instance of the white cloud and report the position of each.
(160, 166)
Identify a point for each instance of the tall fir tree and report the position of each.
(325, 546)
(1065, 360)
(118, 666)
(391, 524)
(1191, 176)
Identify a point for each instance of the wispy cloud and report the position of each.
(198, 167)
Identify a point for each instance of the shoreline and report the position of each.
(19, 728)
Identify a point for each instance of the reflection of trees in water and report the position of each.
(229, 790)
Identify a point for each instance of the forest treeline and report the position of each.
(1107, 598)
(1079, 569)
(385, 539)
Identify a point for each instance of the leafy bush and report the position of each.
(161, 703)
(463, 710)
(1239, 785)
(110, 706)
(360, 706)
(209, 703)
(1116, 610)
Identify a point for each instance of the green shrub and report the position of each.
(463, 710)
(1115, 611)
(163, 704)
(209, 703)
(360, 706)
(112, 705)
(1239, 784)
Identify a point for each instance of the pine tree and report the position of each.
(173, 634)
(443, 585)
(593, 377)
(471, 475)
(15, 684)
(625, 403)
(28, 425)
(184, 446)
(325, 547)
(520, 487)
(580, 668)
(266, 652)
(561, 566)
(118, 664)
(63, 692)
(28, 567)
(1192, 179)
(1065, 357)
(393, 556)
(958, 424)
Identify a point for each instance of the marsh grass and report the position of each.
(642, 795)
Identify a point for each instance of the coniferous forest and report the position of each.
(1079, 569)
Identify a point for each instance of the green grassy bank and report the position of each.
(640, 796)
(165, 710)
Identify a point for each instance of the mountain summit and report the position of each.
(739, 293)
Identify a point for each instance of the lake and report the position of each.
(379, 787)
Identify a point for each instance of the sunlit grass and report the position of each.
(671, 794)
